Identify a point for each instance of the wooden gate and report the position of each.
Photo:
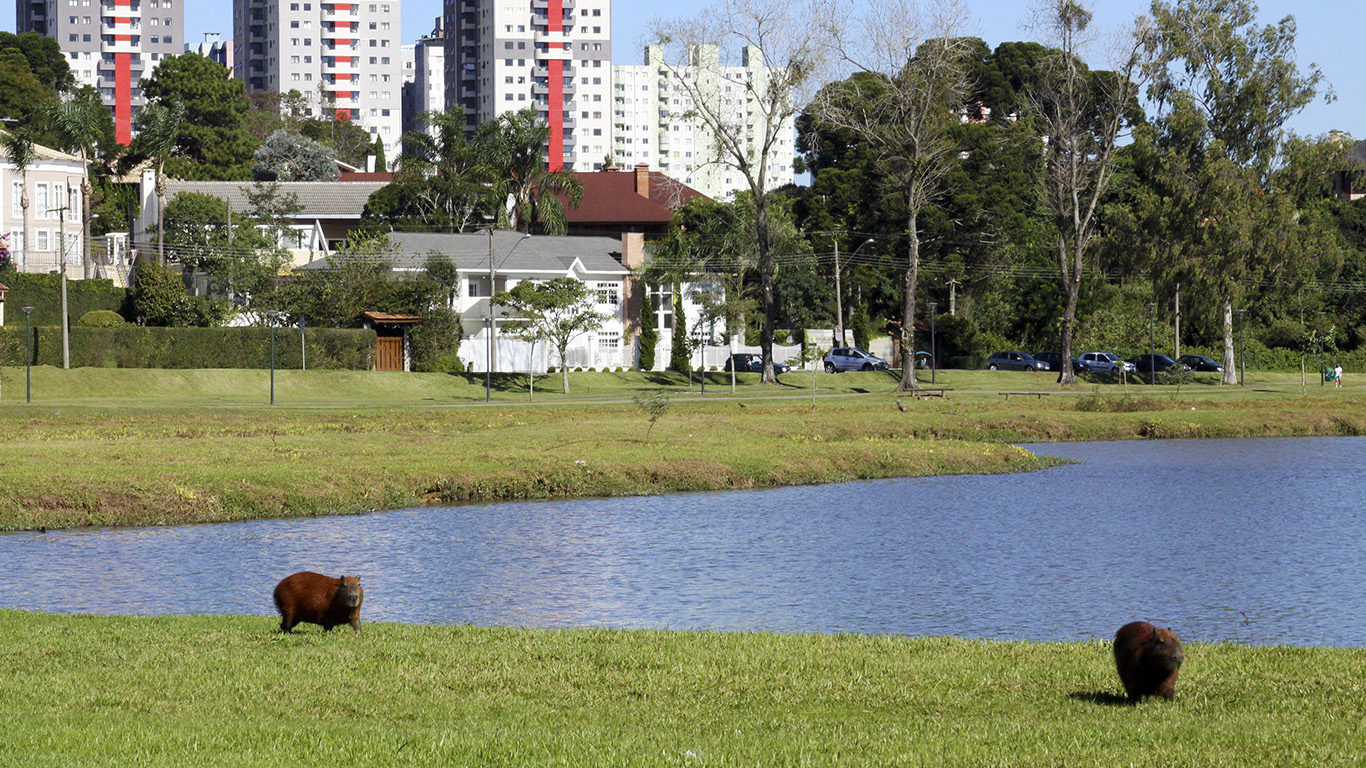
(389, 353)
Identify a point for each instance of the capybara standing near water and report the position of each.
(1148, 660)
(308, 597)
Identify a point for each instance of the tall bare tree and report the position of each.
(1081, 115)
(747, 110)
(902, 103)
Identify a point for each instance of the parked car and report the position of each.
(744, 361)
(1104, 362)
(1015, 361)
(1159, 363)
(853, 359)
(1054, 360)
(1200, 363)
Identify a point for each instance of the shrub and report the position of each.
(132, 346)
(101, 318)
(44, 294)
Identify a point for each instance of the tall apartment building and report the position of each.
(427, 90)
(651, 123)
(553, 55)
(110, 44)
(344, 57)
(214, 48)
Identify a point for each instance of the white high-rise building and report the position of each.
(652, 125)
(426, 92)
(551, 55)
(344, 57)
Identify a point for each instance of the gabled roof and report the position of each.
(320, 199)
(610, 197)
(538, 254)
(41, 152)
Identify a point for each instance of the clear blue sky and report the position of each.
(1329, 34)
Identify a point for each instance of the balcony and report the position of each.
(544, 5)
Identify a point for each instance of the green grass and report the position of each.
(114, 447)
(228, 691)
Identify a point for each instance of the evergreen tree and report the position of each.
(381, 165)
(680, 350)
(649, 335)
(213, 143)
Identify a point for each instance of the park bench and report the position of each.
(1037, 395)
(924, 392)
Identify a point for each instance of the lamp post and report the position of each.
(1242, 349)
(1152, 345)
(934, 352)
(28, 355)
(271, 316)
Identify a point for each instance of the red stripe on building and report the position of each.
(555, 23)
(123, 84)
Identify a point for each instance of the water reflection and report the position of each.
(1256, 541)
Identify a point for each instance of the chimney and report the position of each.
(643, 179)
(632, 249)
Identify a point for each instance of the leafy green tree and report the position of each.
(442, 271)
(159, 128)
(286, 156)
(212, 143)
(428, 204)
(44, 57)
(349, 141)
(158, 297)
(21, 93)
(555, 311)
(1224, 89)
(513, 145)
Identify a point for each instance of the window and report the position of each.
(609, 342)
(16, 197)
(608, 294)
(40, 200)
(43, 241)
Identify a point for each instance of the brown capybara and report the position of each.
(1148, 660)
(317, 599)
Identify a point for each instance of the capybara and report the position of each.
(1148, 660)
(317, 599)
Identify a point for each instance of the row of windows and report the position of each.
(47, 201)
(308, 42)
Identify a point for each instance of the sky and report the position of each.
(1329, 35)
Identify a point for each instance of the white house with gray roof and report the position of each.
(329, 210)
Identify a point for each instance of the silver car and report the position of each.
(852, 359)
(1105, 362)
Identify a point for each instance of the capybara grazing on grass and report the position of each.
(1148, 660)
(317, 599)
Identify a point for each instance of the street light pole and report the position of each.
(934, 352)
(1152, 345)
(488, 317)
(28, 355)
(1323, 374)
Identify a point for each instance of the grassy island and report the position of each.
(133, 447)
(230, 691)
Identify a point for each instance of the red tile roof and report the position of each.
(363, 176)
(610, 197)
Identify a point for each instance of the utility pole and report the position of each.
(839, 301)
(488, 363)
(953, 297)
(61, 265)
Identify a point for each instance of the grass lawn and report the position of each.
(211, 691)
(114, 447)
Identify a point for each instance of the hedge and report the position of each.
(138, 347)
(44, 294)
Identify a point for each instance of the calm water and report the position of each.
(1258, 541)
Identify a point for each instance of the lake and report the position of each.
(1256, 541)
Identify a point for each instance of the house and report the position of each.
(328, 210)
(638, 200)
(1350, 183)
(54, 238)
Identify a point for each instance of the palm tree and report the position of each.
(19, 146)
(77, 122)
(441, 149)
(158, 129)
(515, 144)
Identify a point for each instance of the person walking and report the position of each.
(1337, 375)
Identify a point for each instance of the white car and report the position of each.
(1105, 362)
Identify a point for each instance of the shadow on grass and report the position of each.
(1103, 698)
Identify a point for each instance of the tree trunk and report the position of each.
(564, 368)
(1072, 285)
(1230, 374)
(23, 202)
(161, 230)
(909, 381)
(765, 289)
